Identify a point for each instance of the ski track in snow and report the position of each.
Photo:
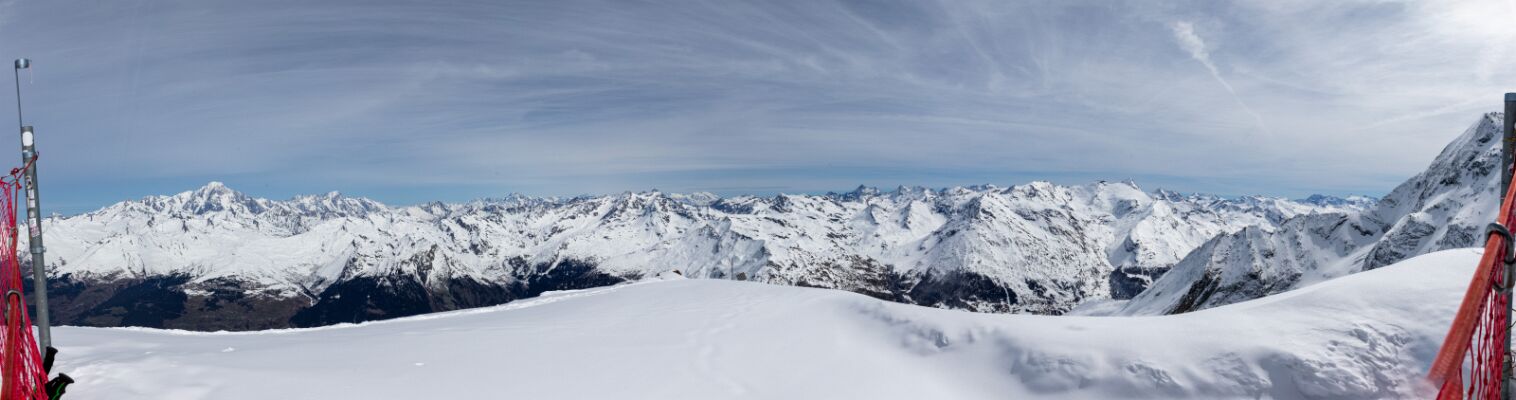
(1367, 335)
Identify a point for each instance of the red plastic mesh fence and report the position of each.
(20, 360)
(1468, 366)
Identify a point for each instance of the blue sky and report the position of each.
(411, 101)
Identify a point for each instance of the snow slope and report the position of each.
(1367, 335)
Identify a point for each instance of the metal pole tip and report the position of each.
(22, 63)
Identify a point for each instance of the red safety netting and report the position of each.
(20, 360)
(1469, 364)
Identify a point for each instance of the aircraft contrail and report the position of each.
(1184, 32)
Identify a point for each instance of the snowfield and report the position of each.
(1366, 335)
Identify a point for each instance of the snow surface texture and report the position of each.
(1365, 336)
(1447, 206)
(1039, 248)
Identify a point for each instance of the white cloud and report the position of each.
(553, 97)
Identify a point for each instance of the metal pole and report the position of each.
(1507, 145)
(34, 219)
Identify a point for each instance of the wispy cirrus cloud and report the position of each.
(409, 101)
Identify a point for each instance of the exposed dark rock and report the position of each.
(964, 290)
(1127, 282)
(178, 302)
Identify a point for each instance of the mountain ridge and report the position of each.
(199, 258)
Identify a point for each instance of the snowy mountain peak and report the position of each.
(1444, 207)
(696, 198)
(215, 189)
(1125, 183)
(213, 197)
(1356, 201)
(859, 193)
(1168, 195)
(331, 205)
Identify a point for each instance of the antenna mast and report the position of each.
(33, 217)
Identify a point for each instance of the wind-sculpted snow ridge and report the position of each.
(215, 258)
(1447, 206)
(1366, 336)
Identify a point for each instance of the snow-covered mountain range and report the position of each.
(1447, 206)
(215, 258)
